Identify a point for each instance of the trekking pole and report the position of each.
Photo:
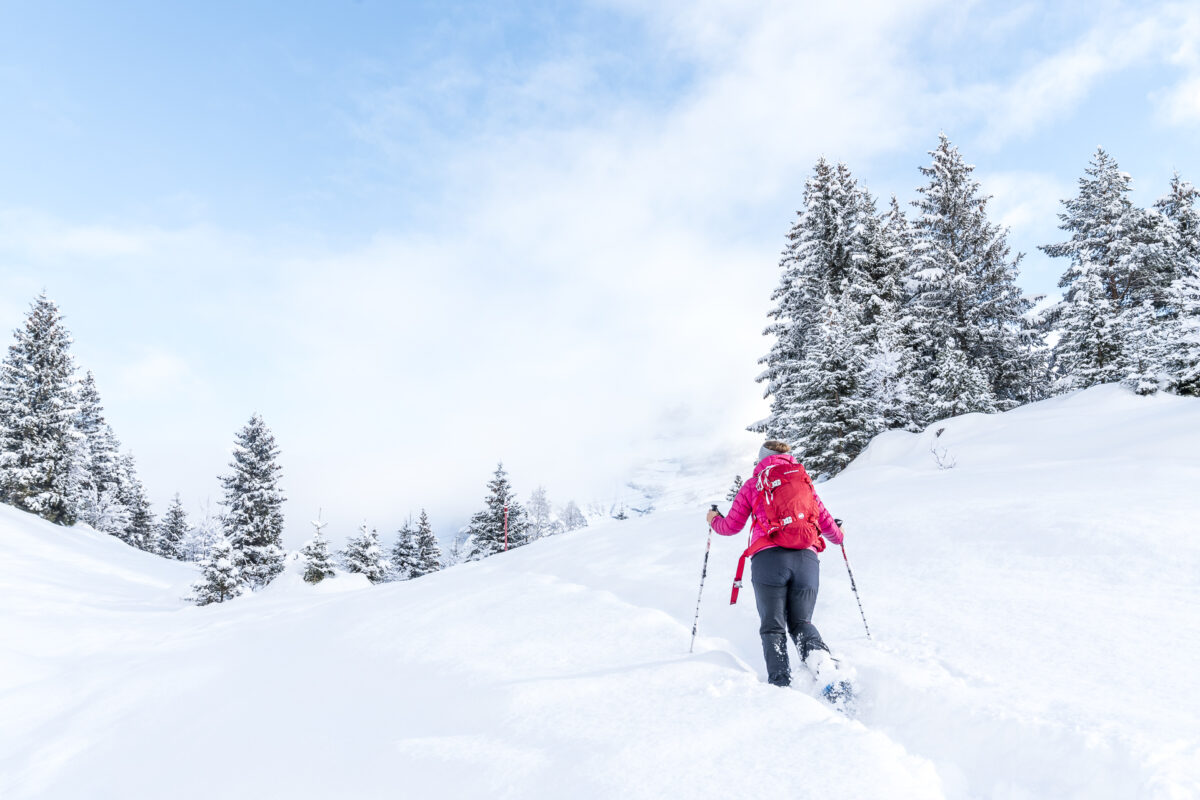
(703, 573)
(853, 585)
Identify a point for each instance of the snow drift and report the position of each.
(1034, 611)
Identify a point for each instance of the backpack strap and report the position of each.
(737, 579)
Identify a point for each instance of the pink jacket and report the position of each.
(743, 505)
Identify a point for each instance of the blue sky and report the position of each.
(427, 236)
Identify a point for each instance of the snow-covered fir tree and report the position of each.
(253, 519)
(1117, 281)
(881, 246)
(459, 546)
(99, 461)
(886, 381)
(1185, 352)
(735, 488)
(428, 553)
(487, 527)
(964, 285)
(1182, 341)
(318, 563)
(1146, 348)
(404, 552)
(106, 513)
(572, 518)
(1091, 337)
(1179, 206)
(173, 531)
(835, 417)
(37, 409)
(202, 535)
(842, 256)
(219, 580)
(364, 555)
(141, 531)
(958, 387)
(889, 363)
(537, 511)
(822, 259)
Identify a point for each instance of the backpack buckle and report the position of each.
(737, 584)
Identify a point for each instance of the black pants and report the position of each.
(785, 590)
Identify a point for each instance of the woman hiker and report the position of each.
(788, 523)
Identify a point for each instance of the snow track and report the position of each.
(1035, 614)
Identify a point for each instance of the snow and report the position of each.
(1035, 614)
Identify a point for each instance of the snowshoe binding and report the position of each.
(835, 680)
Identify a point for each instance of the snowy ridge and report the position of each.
(1034, 608)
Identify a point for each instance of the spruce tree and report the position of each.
(106, 513)
(253, 520)
(487, 527)
(821, 259)
(173, 531)
(404, 552)
(1117, 280)
(1090, 346)
(1145, 352)
(140, 531)
(538, 514)
(572, 518)
(458, 546)
(873, 309)
(428, 553)
(897, 259)
(318, 564)
(1185, 362)
(958, 387)
(835, 417)
(202, 536)
(843, 257)
(99, 461)
(1182, 342)
(886, 382)
(892, 364)
(37, 408)
(219, 580)
(363, 555)
(964, 284)
(882, 251)
(735, 488)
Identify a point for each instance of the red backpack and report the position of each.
(786, 508)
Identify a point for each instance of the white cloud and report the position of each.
(1054, 85)
(156, 373)
(1029, 203)
(585, 267)
(1025, 199)
(38, 237)
(580, 280)
(1180, 105)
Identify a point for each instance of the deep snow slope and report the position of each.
(1034, 612)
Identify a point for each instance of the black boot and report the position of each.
(779, 671)
(808, 640)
